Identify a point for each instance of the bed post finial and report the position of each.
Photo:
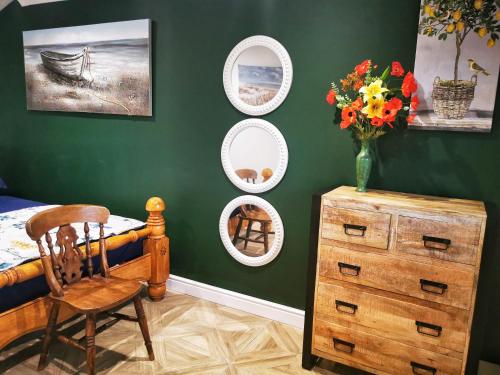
(158, 245)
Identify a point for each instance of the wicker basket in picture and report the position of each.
(452, 100)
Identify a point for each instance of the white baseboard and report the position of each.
(252, 305)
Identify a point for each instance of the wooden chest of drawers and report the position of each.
(392, 282)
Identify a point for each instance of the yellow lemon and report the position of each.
(497, 15)
(450, 28)
(427, 9)
(478, 4)
(460, 25)
(482, 32)
(490, 43)
(457, 15)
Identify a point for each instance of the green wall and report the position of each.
(120, 162)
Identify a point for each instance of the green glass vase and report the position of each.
(364, 163)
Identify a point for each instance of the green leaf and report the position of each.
(385, 74)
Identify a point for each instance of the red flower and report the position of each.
(414, 102)
(390, 110)
(395, 103)
(410, 118)
(348, 117)
(363, 67)
(397, 69)
(409, 85)
(330, 97)
(377, 121)
(357, 104)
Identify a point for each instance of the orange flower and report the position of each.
(397, 69)
(410, 118)
(357, 85)
(377, 121)
(363, 67)
(348, 117)
(330, 97)
(357, 104)
(414, 102)
(409, 85)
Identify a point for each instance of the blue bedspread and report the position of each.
(18, 294)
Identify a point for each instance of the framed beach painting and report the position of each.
(103, 68)
(457, 62)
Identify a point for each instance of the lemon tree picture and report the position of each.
(457, 55)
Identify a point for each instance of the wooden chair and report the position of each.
(249, 175)
(88, 295)
(253, 214)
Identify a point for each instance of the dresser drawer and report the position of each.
(399, 318)
(453, 240)
(359, 227)
(349, 346)
(450, 286)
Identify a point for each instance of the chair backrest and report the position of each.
(249, 175)
(66, 266)
(266, 174)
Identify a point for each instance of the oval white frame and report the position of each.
(277, 226)
(228, 166)
(286, 63)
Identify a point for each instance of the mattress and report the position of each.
(18, 294)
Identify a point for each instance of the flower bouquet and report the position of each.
(372, 104)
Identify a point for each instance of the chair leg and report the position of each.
(249, 232)
(90, 324)
(52, 320)
(143, 323)
(238, 229)
(266, 238)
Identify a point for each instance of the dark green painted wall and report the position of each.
(120, 161)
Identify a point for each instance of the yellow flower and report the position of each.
(374, 107)
(373, 91)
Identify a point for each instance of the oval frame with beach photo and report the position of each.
(257, 75)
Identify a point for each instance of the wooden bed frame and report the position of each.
(152, 266)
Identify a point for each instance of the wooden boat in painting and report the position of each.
(67, 65)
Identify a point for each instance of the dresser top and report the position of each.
(409, 201)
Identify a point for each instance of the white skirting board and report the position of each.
(252, 305)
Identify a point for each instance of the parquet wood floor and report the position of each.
(190, 336)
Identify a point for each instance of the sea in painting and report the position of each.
(101, 68)
(259, 84)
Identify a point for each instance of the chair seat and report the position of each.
(99, 294)
(257, 215)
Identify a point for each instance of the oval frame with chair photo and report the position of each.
(245, 176)
(250, 211)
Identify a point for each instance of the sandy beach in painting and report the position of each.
(259, 84)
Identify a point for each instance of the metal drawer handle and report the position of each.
(432, 286)
(354, 230)
(419, 369)
(349, 269)
(428, 329)
(343, 346)
(345, 307)
(436, 243)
